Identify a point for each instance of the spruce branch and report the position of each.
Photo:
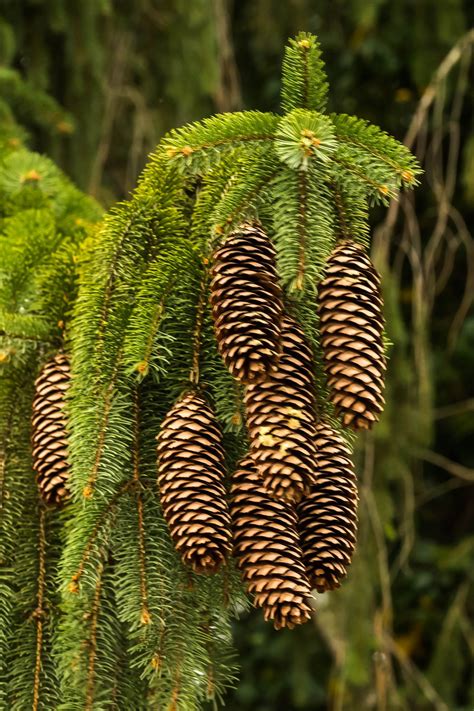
(198, 147)
(304, 82)
(39, 612)
(379, 145)
(305, 136)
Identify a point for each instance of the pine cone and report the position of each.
(49, 436)
(351, 323)
(327, 517)
(281, 421)
(191, 482)
(268, 551)
(246, 304)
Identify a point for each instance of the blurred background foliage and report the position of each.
(94, 84)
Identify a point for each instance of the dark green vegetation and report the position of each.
(398, 635)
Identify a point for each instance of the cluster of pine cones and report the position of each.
(292, 517)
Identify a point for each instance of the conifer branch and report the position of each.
(88, 489)
(198, 147)
(194, 375)
(39, 612)
(304, 83)
(101, 521)
(145, 613)
(92, 642)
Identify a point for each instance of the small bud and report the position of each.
(32, 176)
(88, 491)
(145, 617)
(187, 151)
(304, 44)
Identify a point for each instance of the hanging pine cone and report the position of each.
(191, 482)
(281, 421)
(268, 551)
(246, 304)
(327, 517)
(49, 436)
(351, 323)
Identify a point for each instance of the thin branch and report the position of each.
(453, 468)
(39, 612)
(92, 642)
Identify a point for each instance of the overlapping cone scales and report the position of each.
(280, 419)
(327, 517)
(268, 551)
(191, 482)
(246, 304)
(49, 436)
(351, 324)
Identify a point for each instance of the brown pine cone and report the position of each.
(267, 550)
(191, 476)
(327, 517)
(281, 420)
(351, 324)
(49, 435)
(246, 304)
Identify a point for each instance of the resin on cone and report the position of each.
(246, 304)
(268, 551)
(281, 420)
(327, 517)
(49, 435)
(351, 326)
(191, 482)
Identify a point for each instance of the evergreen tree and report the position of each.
(273, 195)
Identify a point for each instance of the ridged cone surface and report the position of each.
(267, 550)
(49, 435)
(327, 517)
(281, 421)
(351, 326)
(246, 304)
(191, 476)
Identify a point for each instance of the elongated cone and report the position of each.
(327, 517)
(191, 482)
(267, 550)
(351, 323)
(246, 304)
(49, 436)
(281, 421)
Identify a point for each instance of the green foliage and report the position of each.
(304, 82)
(43, 220)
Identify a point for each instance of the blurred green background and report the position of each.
(95, 83)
